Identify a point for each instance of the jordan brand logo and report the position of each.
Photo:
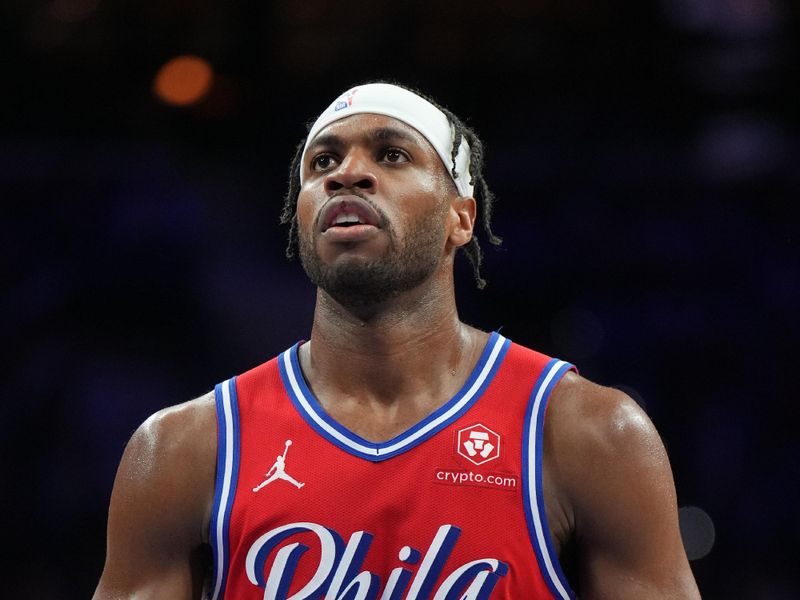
(278, 471)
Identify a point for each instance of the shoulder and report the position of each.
(173, 435)
(161, 505)
(176, 428)
(595, 432)
(597, 417)
(154, 465)
(612, 487)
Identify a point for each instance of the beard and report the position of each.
(359, 282)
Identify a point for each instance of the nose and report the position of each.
(354, 172)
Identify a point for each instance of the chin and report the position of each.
(361, 279)
(361, 282)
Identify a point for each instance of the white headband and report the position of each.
(406, 106)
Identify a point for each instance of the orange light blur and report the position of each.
(184, 80)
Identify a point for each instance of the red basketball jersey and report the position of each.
(451, 509)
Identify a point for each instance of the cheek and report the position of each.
(436, 183)
(305, 212)
(426, 194)
(423, 216)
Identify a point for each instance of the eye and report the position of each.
(322, 162)
(395, 155)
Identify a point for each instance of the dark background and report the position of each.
(645, 160)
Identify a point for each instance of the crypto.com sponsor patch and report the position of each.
(498, 481)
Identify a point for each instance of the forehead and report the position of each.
(367, 127)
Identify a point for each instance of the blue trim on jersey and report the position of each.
(535, 515)
(310, 409)
(227, 406)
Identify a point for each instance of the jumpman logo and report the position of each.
(278, 471)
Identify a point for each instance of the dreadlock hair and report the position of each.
(482, 194)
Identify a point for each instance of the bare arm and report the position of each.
(160, 507)
(616, 491)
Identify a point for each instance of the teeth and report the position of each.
(346, 218)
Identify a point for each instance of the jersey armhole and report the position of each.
(226, 480)
(533, 497)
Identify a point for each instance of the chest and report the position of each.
(448, 510)
(450, 505)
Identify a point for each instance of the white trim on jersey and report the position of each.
(310, 406)
(536, 509)
(221, 515)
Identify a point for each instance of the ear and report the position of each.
(462, 221)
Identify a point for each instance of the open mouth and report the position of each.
(347, 212)
(347, 220)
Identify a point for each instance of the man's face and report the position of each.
(371, 211)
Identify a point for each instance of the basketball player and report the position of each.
(417, 457)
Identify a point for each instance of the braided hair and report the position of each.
(482, 194)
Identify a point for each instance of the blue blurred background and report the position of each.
(646, 164)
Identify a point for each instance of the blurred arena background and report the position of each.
(646, 159)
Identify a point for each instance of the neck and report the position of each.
(411, 350)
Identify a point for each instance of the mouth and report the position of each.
(348, 212)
